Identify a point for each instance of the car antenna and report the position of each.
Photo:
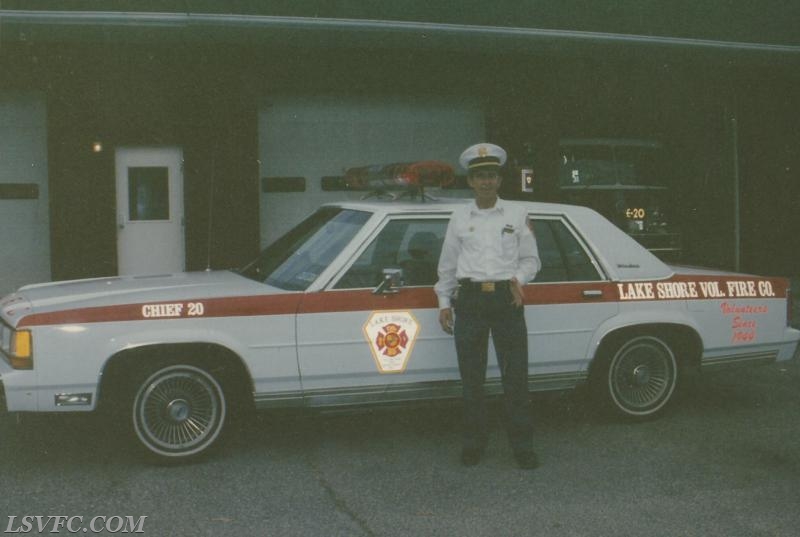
(211, 207)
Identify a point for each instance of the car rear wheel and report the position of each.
(638, 376)
(179, 412)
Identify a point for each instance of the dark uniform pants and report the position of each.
(479, 313)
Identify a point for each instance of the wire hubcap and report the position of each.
(643, 375)
(179, 411)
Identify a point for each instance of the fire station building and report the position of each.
(168, 136)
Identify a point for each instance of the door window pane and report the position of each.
(412, 245)
(553, 267)
(148, 193)
(563, 258)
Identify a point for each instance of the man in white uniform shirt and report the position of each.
(489, 253)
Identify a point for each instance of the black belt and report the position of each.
(483, 287)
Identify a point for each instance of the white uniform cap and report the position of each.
(480, 155)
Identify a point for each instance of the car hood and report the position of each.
(102, 292)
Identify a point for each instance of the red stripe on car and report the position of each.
(364, 300)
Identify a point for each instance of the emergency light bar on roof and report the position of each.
(409, 177)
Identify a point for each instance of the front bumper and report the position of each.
(17, 389)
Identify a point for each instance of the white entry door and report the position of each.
(150, 235)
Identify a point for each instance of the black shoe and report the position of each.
(471, 456)
(527, 460)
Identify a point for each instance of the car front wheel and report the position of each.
(179, 412)
(638, 376)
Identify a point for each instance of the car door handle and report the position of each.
(592, 293)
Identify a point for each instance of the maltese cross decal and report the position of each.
(392, 340)
(391, 336)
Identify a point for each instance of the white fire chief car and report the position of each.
(341, 311)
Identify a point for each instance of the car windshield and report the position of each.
(295, 260)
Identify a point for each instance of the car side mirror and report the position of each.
(391, 283)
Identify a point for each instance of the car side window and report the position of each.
(562, 255)
(413, 245)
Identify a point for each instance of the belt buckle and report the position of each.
(487, 287)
